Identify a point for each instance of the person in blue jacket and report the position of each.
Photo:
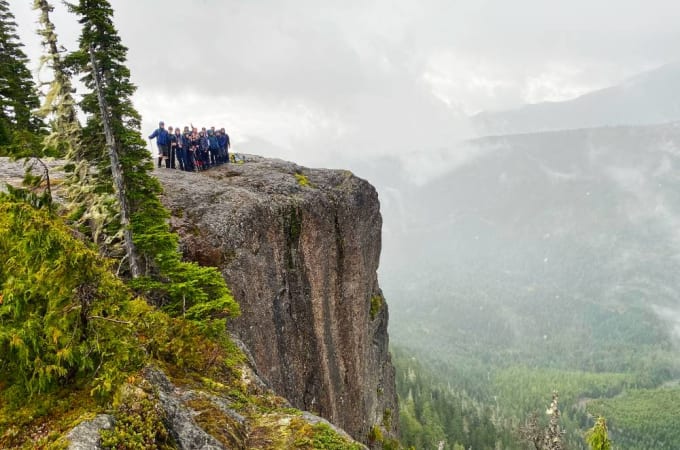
(222, 142)
(214, 147)
(163, 143)
(227, 144)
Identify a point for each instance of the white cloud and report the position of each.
(371, 77)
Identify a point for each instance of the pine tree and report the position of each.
(18, 95)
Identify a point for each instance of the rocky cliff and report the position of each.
(299, 248)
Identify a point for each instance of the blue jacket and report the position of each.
(213, 142)
(222, 140)
(162, 136)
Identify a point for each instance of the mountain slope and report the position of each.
(645, 99)
(537, 222)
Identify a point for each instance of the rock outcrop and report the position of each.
(85, 436)
(299, 248)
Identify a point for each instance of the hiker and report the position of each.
(177, 147)
(227, 144)
(203, 149)
(162, 141)
(172, 148)
(187, 150)
(195, 148)
(214, 147)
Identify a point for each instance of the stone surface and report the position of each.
(187, 433)
(86, 436)
(301, 261)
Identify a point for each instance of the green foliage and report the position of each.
(202, 348)
(387, 417)
(520, 388)
(22, 421)
(36, 190)
(18, 95)
(320, 437)
(375, 435)
(138, 422)
(303, 180)
(376, 305)
(432, 411)
(598, 436)
(642, 418)
(60, 306)
(182, 288)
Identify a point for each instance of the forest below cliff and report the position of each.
(547, 262)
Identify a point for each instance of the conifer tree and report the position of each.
(181, 287)
(59, 105)
(598, 436)
(18, 95)
(90, 207)
(101, 58)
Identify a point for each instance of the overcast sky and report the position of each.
(328, 83)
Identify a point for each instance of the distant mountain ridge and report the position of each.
(577, 220)
(646, 99)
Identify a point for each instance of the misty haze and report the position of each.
(526, 158)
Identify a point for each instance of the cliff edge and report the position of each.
(299, 248)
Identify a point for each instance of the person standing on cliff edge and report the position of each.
(162, 141)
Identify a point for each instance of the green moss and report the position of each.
(376, 305)
(292, 228)
(43, 420)
(319, 436)
(218, 424)
(138, 421)
(375, 435)
(387, 417)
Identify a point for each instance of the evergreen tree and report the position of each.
(181, 287)
(18, 95)
(598, 436)
(59, 105)
(59, 304)
(137, 189)
(90, 206)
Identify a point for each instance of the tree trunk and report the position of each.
(116, 172)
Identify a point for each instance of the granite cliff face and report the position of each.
(299, 248)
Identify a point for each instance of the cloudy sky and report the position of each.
(329, 85)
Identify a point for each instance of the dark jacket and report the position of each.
(213, 142)
(175, 140)
(203, 142)
(222, 140)
(162, 136)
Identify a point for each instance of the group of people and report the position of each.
(191, 149)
